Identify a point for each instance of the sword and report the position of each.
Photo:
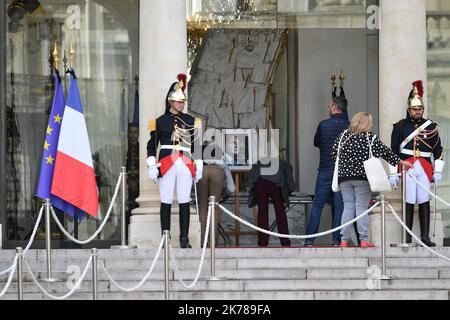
(434, 211)
(196, 207)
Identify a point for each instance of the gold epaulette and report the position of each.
(198, 123)
(396, 122)
(152, 125)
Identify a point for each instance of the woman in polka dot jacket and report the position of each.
(353, 182)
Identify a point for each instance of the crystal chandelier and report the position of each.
(217, 14)
(196, 30)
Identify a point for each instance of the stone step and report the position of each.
(189, 265)
(229, 264)
(235, 296)
(61, 288)
(412, 262)
(275, 295)
(225, 253)
(262, 274)
(418, 273)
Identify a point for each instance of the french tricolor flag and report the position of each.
(73, 177)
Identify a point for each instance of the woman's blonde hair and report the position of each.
(361, 123)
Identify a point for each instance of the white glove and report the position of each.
(437, 176)
(153, 171)
(151, 161)
(439, 166)
(394, 180)
(198, 170)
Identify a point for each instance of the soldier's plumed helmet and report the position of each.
(176, 91)
(415, 98)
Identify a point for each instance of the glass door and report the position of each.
(103, 37)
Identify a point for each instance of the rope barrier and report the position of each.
(6, 271)
(427, 190)
(105, 220)
(12, 268)
(30, 242)
(143, 280)
(202, 259)
(67, 295)
(10, 277)
(413, 235)
(295, 236)
(33, 234)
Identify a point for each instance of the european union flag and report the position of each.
(50, 149)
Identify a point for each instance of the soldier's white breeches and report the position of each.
(415, 193)
(178, 176)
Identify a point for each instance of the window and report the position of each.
(105, 38)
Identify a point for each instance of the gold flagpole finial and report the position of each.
(56, 57)
(71, 55)
(342, 79)
(333, 80)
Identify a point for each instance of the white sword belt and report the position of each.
(417, 153)
(176, 148)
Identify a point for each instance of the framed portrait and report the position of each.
(213, 147)
(237, 145)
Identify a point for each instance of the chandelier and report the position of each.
(217, 14)
(196, 30)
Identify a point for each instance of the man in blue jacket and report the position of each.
(327, 132)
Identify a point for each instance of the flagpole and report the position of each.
(48, 241)
(123, 241)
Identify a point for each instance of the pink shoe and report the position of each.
(365, 244)
(344, 244)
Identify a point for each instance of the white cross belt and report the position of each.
(417, 153)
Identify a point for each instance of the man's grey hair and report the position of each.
(341, 103)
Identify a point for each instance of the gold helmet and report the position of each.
(177, 94)
(415, 98)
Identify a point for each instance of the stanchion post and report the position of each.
(383, 237)
(212, 240)
(123, 175)
(166, 264)
(19, 252)
(48, 243)
(94, 274)
(404, 202)
(434, 209)
(123, 218)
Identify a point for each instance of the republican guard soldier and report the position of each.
(417, 140)
(175, 132)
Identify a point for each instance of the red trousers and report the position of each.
(263, 191)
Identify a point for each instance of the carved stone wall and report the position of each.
(232, 75)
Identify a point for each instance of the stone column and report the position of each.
(403, 59)
(163, 55)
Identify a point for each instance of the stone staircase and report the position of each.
(248, 273)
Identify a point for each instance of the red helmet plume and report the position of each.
(182, 78)
(419, 85)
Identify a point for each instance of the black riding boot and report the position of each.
(185, 214)
(409, 215)
(424, 217)
(164, 214)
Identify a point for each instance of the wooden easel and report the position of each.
(237, 225)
